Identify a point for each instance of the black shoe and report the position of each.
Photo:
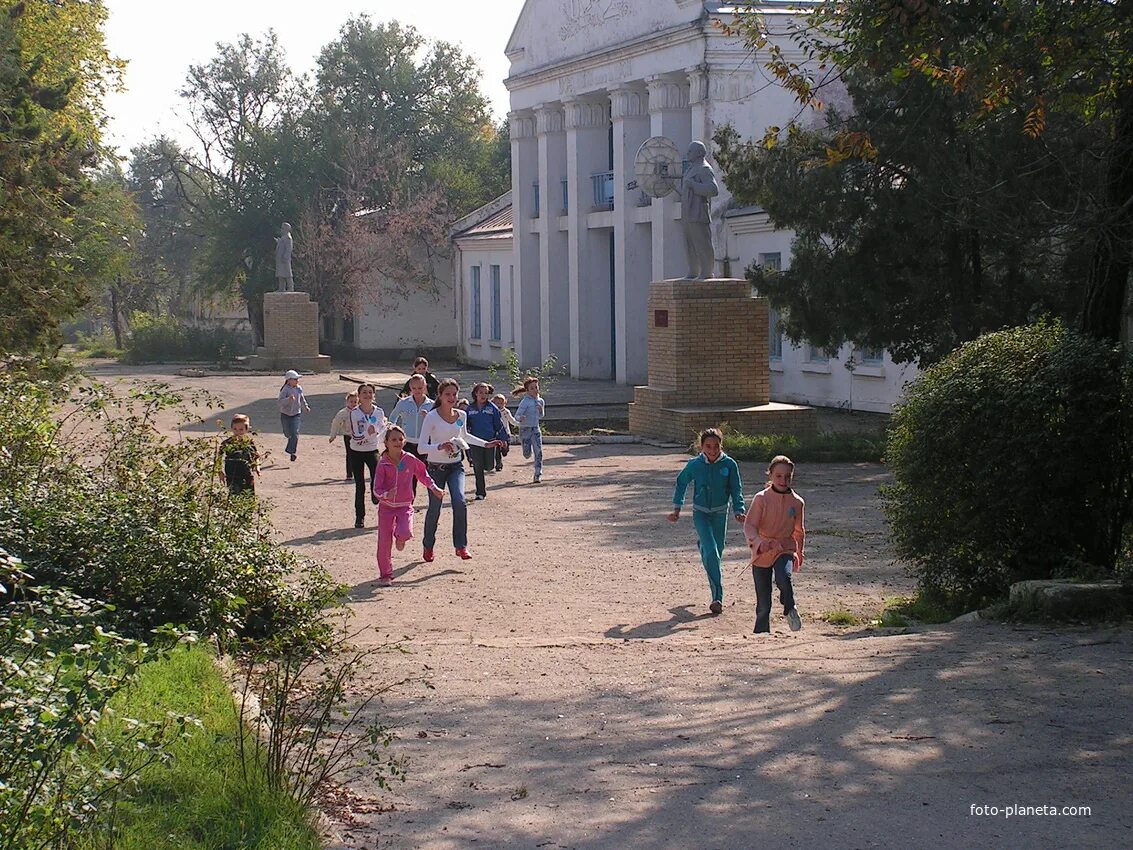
(359, 523)
(374, 499)
(294, 458)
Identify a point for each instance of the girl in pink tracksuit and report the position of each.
(393, 488)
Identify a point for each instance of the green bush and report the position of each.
(94, 499)
(829, 447)
(159, 339)
(97, 345)
(61, 666)
(1012, 460)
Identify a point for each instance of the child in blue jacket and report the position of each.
(716, 485)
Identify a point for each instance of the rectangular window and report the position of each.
(872, 356)
(773, 261)
(815, 354)
(474, 305)
(774, 336)
(348, 330)
(328, 327)
(494, 279)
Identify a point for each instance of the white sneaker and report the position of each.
(794, 620)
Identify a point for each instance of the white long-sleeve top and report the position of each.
(366, 429)
(509, 420)
(435, 431)
(340, 425)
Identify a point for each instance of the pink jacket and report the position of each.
(774, 525)
(393, 484)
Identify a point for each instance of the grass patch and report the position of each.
(201, 800)
(841, 617)
(920, 608)
(828, 447)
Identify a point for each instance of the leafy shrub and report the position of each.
(829, 447)
(97, 345)
(159, 339)
(93, 498)
(1012, 460)
(60, 668)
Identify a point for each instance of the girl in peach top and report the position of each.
(776, 532)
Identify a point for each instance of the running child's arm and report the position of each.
(521, 411)
(303, 400)
(385, 479)
(683, 481)
(541, 405)
(255, 459)
(425, 438)
(737, 490)
(421, 473)
(751, 524)
(799, 535)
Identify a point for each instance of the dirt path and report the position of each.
(582, 698)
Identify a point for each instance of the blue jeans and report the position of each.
(782, 568)
(291, 431)
(532, 440)
(452, 476)
(711, 530)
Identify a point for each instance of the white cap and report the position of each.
(291, 373)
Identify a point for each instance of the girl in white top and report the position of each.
(340, 427)
(510, 422)
(444, 437)
(367, 425)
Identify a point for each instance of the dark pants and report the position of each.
(239, 478)
(499, 460)
(481, 459)
(782, 569)
(452, 476)
(346, 445)
(290, 425)
(413, 450)
(359, 461)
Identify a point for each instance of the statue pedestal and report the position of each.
(708, 365)
(291, 334)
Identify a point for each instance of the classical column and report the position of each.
(700, 128)
(524, 174)
(554, 329)
(588, 250)
(633, 265)
(669, 116)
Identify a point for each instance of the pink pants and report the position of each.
(392, 522)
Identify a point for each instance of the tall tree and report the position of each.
(53, 69)
(1035, 67)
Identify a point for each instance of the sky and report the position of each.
(161, 45)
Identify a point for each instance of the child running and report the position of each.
(392, 488)
(409, 413)
(421, 367)
(240, 459)
(292, 403)
(444, 439)
(510, 422)
(776, 532)
(340, 427)
(528, 414)
(367, 421)
(484, 422)
(716, 485)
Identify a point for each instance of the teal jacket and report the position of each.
(714, 485)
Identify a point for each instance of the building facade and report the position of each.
(591, 80)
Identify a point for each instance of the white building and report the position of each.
(590, 81)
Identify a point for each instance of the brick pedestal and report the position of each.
(708, 364)
(291, 334)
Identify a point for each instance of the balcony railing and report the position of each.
(603, 186)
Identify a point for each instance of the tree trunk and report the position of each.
(1109, 272)
(115, 318)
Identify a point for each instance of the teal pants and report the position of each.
(710, 532)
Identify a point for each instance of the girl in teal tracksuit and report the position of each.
(716, 480)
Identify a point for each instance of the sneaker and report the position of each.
(374, 500)
(359, 523)
(538, 478)
(294, 458)
(398, 543)
(427, 555)
(499, 469)
(480, 496)
(464, 553)
(716, 607)
(794, 620)
(385, 581)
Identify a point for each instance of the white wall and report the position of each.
(483, 253)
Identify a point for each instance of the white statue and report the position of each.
(283, 246)
(697, 186)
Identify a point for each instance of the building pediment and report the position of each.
(549, 32)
